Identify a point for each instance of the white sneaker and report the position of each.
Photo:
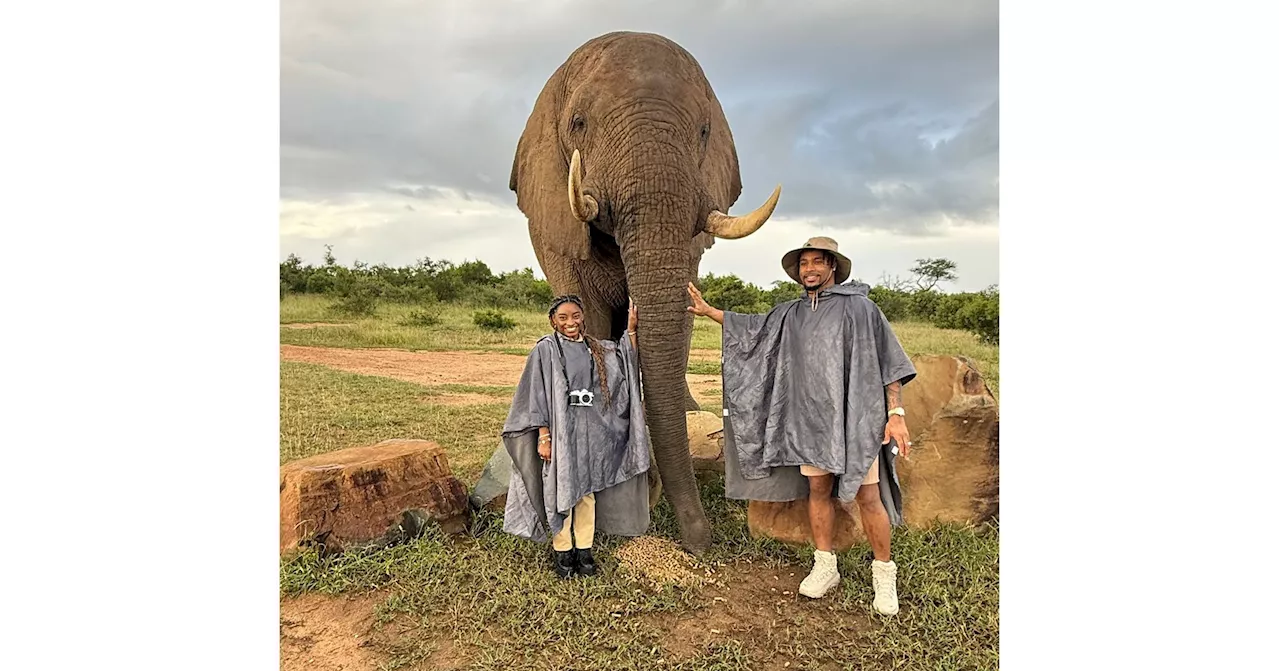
(823, 577)
(884, 579)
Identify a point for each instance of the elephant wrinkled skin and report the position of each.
(625, 170)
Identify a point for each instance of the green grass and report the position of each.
(457, 332)
(493, 597)
(323, 410)
(923, 338)
(386, 328)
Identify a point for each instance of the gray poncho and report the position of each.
(594, 449)
(806, 386)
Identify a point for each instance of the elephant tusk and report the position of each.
(722, 225)
(584, 207)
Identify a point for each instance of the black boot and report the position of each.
(586, 563)
(562, 563)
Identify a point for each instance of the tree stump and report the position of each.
(356, 495)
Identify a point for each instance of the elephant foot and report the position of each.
(695, 534)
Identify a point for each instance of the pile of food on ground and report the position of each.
(658, 562)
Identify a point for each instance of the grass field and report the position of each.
(488, 601)
(390, 327)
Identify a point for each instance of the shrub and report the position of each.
(425, 317)
(493, 320)
(893, 303)
(981, 316)
(782, 291)
(356, 304)
(319, 282)
(922, 304)
(731, 293)
(357, 296)
(409, 295)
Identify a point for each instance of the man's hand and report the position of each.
(633, 317)
(897, 430)
(702, 308)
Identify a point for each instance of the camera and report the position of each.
(581, 398)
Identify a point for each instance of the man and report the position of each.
(812, 405)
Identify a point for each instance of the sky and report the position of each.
(399, 122)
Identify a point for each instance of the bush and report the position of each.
(426, 317)
(493, 320)
(782, 291)
(360, 303)
(981, 316)
(319, 282)
(357, 296)
(922, 304)
(731, 293)
(408, 295)
(893, 303)
(427, 283)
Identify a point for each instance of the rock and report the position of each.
(356, 495)
(706, 442)
(954, 471)
(491, 489)
(789, 522)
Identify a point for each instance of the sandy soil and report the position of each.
(436, 368)
(323, 633)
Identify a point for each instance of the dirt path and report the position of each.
(436, 368)
(753, 604)
(323, 633)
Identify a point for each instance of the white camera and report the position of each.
(581, 398)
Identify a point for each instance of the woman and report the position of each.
(578, 443)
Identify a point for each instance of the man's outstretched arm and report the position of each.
(702, 308)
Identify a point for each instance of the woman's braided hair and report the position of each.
(597, 350)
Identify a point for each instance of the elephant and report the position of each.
(625, 171)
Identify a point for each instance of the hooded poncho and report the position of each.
(595, 449)
(804, 384)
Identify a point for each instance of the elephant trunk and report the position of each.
(656, 252)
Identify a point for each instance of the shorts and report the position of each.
(872, 477)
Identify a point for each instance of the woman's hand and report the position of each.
(544, 444)
(633, 317)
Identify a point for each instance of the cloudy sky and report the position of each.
(399, 121)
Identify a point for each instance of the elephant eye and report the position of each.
(578, 124)
(705, 131)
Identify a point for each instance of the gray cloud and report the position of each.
(874, 115)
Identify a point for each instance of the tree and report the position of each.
(893, 282)
(929, 272)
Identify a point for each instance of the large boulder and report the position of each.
(362, 494)
(954, 471)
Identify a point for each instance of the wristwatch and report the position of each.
(899, 411)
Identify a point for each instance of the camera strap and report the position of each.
(564, 364)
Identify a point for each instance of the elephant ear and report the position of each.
(540, 178)
(721, 178)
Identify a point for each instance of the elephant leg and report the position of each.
(690, 403)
